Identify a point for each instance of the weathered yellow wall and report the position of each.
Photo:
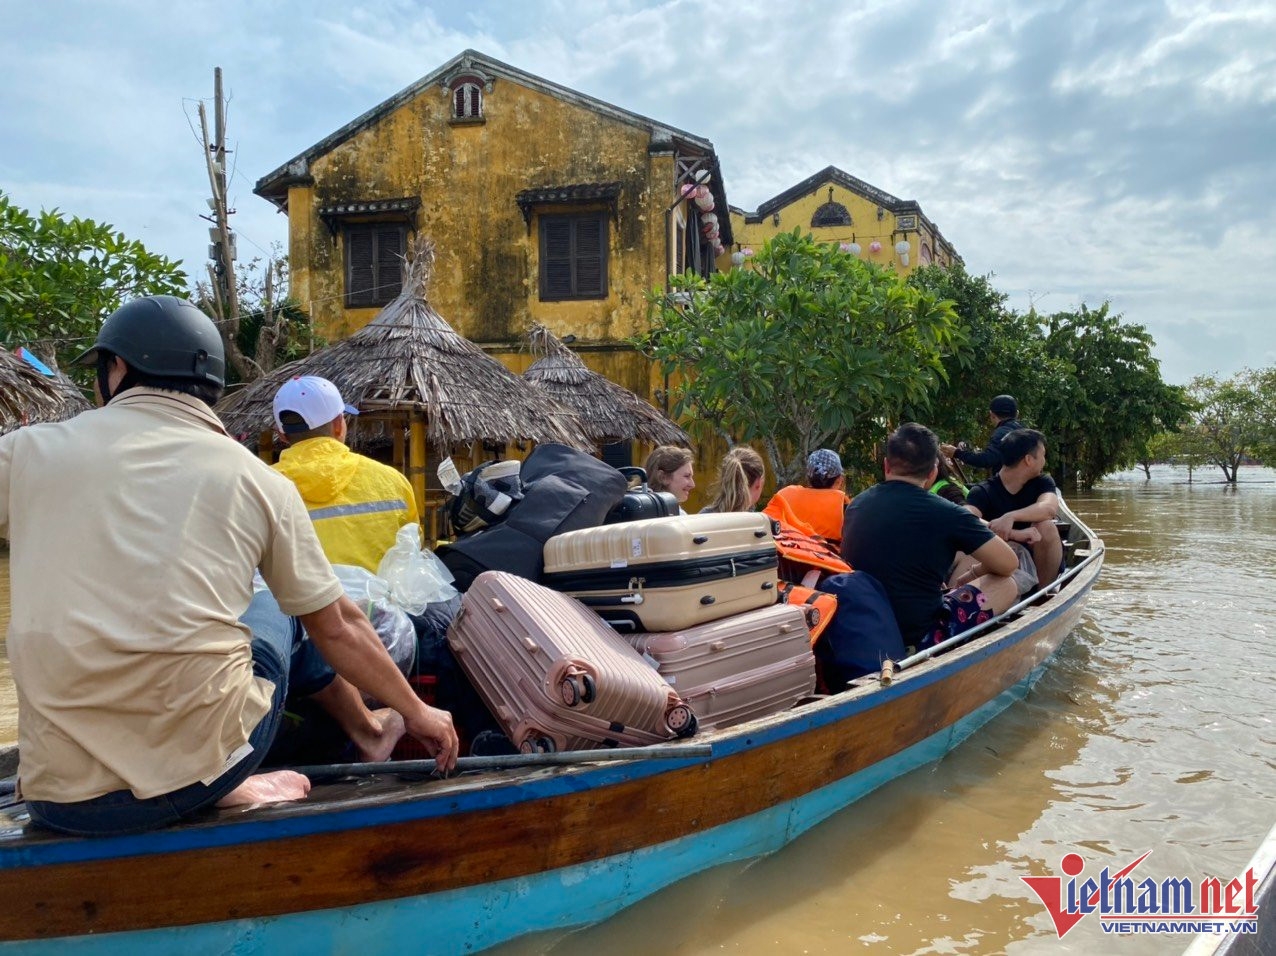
(467, 176)
(866, 228)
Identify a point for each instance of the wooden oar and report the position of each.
(510, 761)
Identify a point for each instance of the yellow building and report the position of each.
(834, 206)
(546, 205)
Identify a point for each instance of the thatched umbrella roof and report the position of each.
(409, 359)
(28, 397)
(609, 412)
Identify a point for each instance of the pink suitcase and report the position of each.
(737, 668)
(554, 675)
(665, 574)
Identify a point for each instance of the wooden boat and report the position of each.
(385, 864)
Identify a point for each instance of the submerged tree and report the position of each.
(1233, 418)
(61, 276)
(808, 347)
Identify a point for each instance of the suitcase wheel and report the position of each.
(577, 689)
(812, 617)
(537, 744)
(681, 721)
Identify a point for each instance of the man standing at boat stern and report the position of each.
(150, 678)
(908, 539)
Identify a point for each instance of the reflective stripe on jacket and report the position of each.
(357, 504)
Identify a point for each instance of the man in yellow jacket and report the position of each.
(357, 505)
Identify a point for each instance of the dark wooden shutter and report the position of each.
(389, 242)
(573, 256)
(556, 257)
(458, 102)
(475, 106)
(360, 266)
(590, 256)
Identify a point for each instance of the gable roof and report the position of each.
(831, 174)
(838, 177)
(274, 185)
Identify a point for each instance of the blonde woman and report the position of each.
(669, 468)
(739, 481)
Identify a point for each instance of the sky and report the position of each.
(1078, 152)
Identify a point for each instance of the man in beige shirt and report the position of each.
(150, 678)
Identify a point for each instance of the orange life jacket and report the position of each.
(819, 607)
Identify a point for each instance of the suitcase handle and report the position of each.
(700, 539)
(633, 471)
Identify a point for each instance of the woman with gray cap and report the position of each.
(820, 505)
(1004, 413)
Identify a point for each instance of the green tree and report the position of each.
(60, 276)
(1103, 396)
(1232, 420)
(998, 351)
(808, 347)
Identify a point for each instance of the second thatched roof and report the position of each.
(29, 397)
(610, 413)
(409, 358)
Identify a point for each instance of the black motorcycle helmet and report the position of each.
(164, 336)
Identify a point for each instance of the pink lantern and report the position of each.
(688, 190)
(710, 217)
(704, 198)
(747, 252)
(874, 247)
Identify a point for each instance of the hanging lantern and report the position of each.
(711, 217)
(737, 258)
(719, 248)
(688, 190)
(704, 198)
(874, 247)
(901, 247)
(747, 252)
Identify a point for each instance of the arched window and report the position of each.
(831, 214)
(467, 100)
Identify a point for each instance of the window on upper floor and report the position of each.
(573, 256)
(374, 262)
(467, 100)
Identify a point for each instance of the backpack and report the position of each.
(863, 632)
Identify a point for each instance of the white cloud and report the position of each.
(1078, 150)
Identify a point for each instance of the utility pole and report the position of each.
(221, 251)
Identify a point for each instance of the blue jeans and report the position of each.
(282, 656)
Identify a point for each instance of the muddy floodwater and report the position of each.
(1152, 730)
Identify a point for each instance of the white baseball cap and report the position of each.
(315, 399)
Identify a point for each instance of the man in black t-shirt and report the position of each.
(907, 538)
(1003, 411)
(1020, 497)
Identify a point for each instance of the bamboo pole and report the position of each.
(416, 463)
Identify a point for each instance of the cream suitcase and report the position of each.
(666, 574)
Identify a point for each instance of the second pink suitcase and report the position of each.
(737, 668)
(554, 675)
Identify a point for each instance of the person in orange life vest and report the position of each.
(357, 505)
(823, 504)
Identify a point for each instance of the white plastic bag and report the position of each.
(416, 578)
(391, 622)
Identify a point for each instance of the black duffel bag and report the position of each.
(563, 490)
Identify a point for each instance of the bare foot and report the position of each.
(376, 746)
(278, 786)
